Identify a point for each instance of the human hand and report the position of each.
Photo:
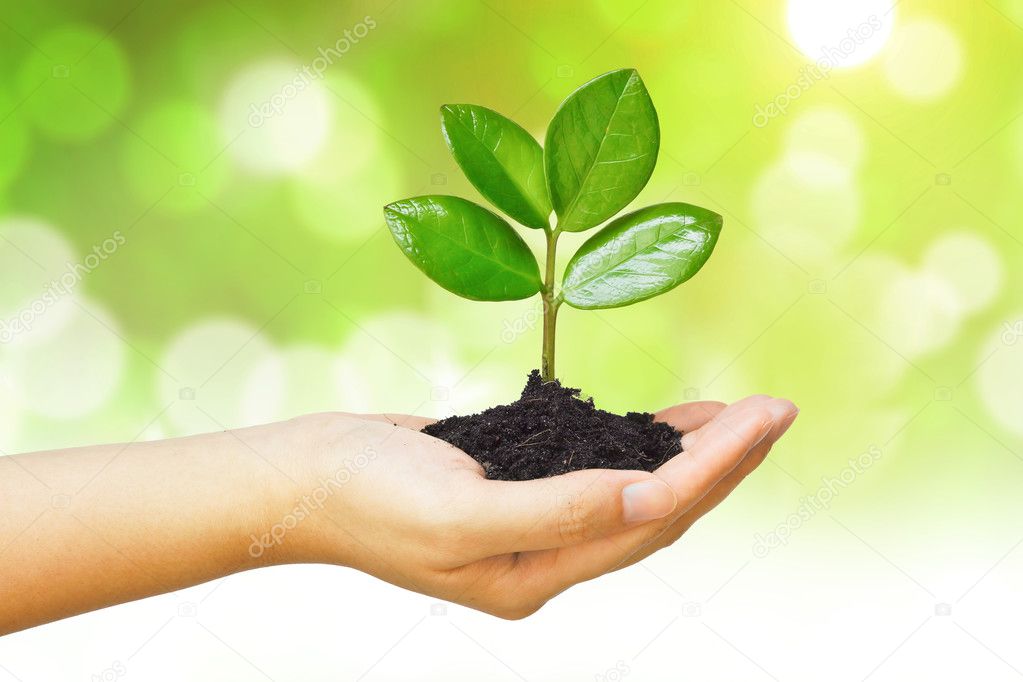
(419, 513)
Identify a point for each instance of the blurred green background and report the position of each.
(866, 261)
(229, 160)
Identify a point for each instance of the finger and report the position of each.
(780, 411)
(578, 506)
(690, 475)
(750, 462)
(689, 438)
(519, 516)
(723, 489)
(720, 446)
(690, 416)
(407, 421)
(589, 504)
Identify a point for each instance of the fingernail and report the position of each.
(647, 500)
(788, 422)
(781, 409)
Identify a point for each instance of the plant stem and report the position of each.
(550, 308)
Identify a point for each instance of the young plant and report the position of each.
(599, 153)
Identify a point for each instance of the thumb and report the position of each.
(568, 509)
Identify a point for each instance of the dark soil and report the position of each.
(550, 430)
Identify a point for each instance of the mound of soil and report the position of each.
(550, 430)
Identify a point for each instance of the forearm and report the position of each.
(89, 527)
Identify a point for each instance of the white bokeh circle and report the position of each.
(274, 117)
(291, 382)
(857, 291)
(842, 33)
(352, 215)
(206, 371)
(408, 362)
(72, 372)
(1000, 377)
(801, 216)
(828, 132)
(969, 264)
(36, 261)
(352, 158)
(925, 59)
(918, 312)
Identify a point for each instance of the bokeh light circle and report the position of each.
(857, 291)
(824, 148)
(205, 372)
(1000, 377)
(71, 373)
(342, 207)
(340, 193)
(799, 215)
(841, 33)
(918, 312)
(294, 381)
(403, 349)
(183, 167)
(969, 264)
(355, 121)
(75, 83)
(925, 60)
(35, 260)
(275, 116)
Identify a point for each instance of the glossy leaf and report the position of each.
(600, 149)
(463, 247)
(641, 255)
(501, 160)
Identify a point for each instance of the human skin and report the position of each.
(85, 528)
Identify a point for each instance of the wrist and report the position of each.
(301, 518)
(279, 472)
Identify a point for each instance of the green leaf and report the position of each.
(641, 255)
(463, 247)
(500, 159)
(600, 150)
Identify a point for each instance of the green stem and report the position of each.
(550, 308)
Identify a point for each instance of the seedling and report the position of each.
(599, 152)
